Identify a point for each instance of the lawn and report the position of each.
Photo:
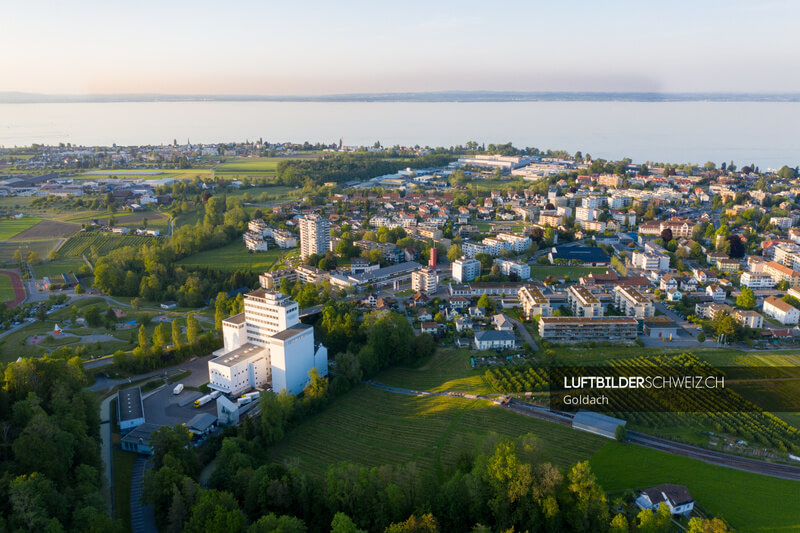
(372, 427)
(6, 289)
(574, 272)
(58, 267)
(234, 256)
(10, 227)
(447, 369)
(123, 470)
(41, 247)
(249, 164)
(749, 502)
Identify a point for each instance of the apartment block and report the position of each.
(566, 330)
(534, 302)
(583, 303)
(315, 235)
(632, 302)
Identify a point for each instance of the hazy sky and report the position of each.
(309, 47)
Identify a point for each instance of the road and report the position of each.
(779, 470)
(524, 333)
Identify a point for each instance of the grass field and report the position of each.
(749, 502)
(54, 268)
(273, 192)
(234, 256)
(249, 164)
(372, 427)
(123, 469)
(6, 289)
(10, 227)
(447, 369)
(574, 272)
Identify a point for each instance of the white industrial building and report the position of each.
(266, 346)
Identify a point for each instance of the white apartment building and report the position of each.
(521, 270)
(582, 302)
(471, 249)
(781, 311)
(533, 302)
(519, 243)
(594, 202)
(266, 346)
(425, 280)
(757, 280)
(633, 302)
(494, 246)
(788, 254)
(255, 242)
(315, 235)
(781, 222)
(650, 261)
(466, 269)
(750, 319)
(585, 213)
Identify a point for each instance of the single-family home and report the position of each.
(502, 322)
(493, 340)
(716, 292)
(677, 498)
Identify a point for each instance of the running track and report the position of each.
(19, 288)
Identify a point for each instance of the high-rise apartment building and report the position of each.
(315, 235)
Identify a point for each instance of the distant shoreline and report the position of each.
(422, 97)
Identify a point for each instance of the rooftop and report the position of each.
(242, 353)
(494, 335)
(236, 319)
(201, 422)
(583, 294)
(130, 404)
(293, 331)
(675, 494)
(579, 321)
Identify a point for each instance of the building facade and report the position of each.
(315, 235)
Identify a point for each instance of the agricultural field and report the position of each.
(449, 369)
(41, 247)
(11, 227)
(235, 256)
(100, 243)
(574, 272)
(749, 502)
(270, 193)
(155, 219)
(372, 427)
(46, 230)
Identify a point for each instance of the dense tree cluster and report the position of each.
(50, 477)
(347, 167)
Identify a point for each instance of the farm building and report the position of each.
(130, 409)
(138, 440)
(599, 424)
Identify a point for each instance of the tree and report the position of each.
(342, 523)
(33, 258)
(746, 298)
(713, 525)
(620, 433)
(701, 337)
(736, 246)
(144, 342)
(666, 234)
(272, 523)
(92, 316)
(79, 289)
(52, 256)
(216, 511)
(486, 261)
(619, 524)
(221, 311)
(192, 330)
(176, 334)
(160, 336)
(17, 256)
(454, 252)
(422, 524)
(484, 302)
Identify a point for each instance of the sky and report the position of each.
(310, 48)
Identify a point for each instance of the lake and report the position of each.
(763, 133)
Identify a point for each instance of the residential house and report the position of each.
(781, 311)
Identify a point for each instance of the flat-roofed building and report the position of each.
(466, 269)
(566, 330)
(751, 319)
(583, 303)
(315, 235)
(632, 302)
(757, 280)
(272, 280)
(425, 281)
(534, 302)
(130, 409)
(518, 269)
(266, 346)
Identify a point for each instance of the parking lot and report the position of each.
(162, 407)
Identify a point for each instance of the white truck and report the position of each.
(247, 398)
(178, 389)
(200, 402)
